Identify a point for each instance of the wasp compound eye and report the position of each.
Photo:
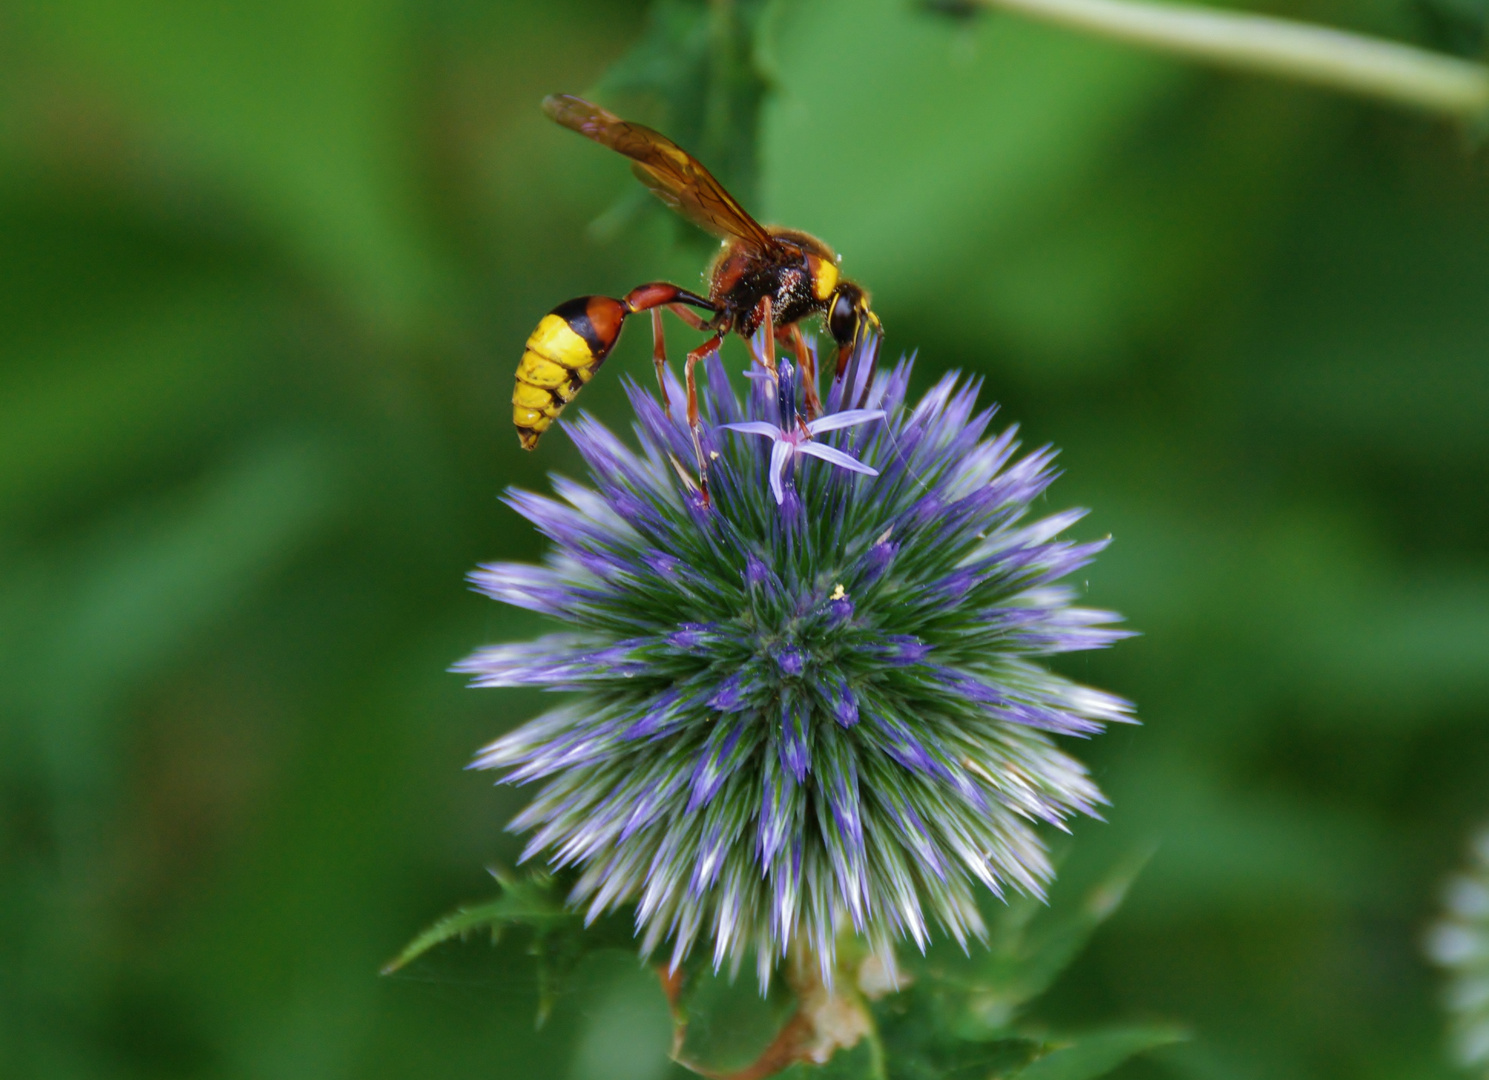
(842, 319)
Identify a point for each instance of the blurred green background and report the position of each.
(267, 269)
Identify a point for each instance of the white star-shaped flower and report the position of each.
(800, 440)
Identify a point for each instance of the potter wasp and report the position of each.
(762, 277)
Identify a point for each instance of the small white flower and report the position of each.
(799, 440)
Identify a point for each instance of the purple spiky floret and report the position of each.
(815, 704)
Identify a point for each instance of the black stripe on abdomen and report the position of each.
(576, 313)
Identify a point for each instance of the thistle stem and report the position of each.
(1336, 59)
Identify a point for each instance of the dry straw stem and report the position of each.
(1260, 43)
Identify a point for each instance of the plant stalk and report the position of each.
(1353, 63)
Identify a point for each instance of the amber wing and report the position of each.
(674, 175)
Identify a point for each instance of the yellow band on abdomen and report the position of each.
(556, 363)
(555, 340)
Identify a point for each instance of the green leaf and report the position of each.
(978, 995)
(1053, 942)
(916, 1031)
(530, 902)
(728, 1024)
(1099, 1053)
(861, 1062)
(523, 902)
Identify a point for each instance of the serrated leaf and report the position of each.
(1099, 1053)
(977, 995)
(523, 902)
(531, 902)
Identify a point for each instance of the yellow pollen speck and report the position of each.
(713, 455)
(839, 593)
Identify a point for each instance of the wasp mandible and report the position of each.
(762, 277)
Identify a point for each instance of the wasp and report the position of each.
(762, 277)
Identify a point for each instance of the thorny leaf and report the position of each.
(953, 1019)
(948, 1020)
(532, 902)
(979, 994)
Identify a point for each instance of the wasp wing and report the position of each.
(674, 175)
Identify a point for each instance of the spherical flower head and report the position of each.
(1459, 943)
(811, 702)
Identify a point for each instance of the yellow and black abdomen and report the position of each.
(563, 353)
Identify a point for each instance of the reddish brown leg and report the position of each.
(688, 315)
(808, 366)
(694, 420)
(764, 316)
(654, 297)
(659, 357)
(697, 322)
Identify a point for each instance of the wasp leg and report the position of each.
(808, 365)
(694, 421)
(659, 358)
(689, 316)
(654, 297)
(763, 315)
(659, 351)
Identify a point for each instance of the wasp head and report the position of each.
(850, 320)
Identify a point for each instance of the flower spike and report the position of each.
(819, 707)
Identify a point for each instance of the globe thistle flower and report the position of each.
(1459, 943)
(812, 703)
